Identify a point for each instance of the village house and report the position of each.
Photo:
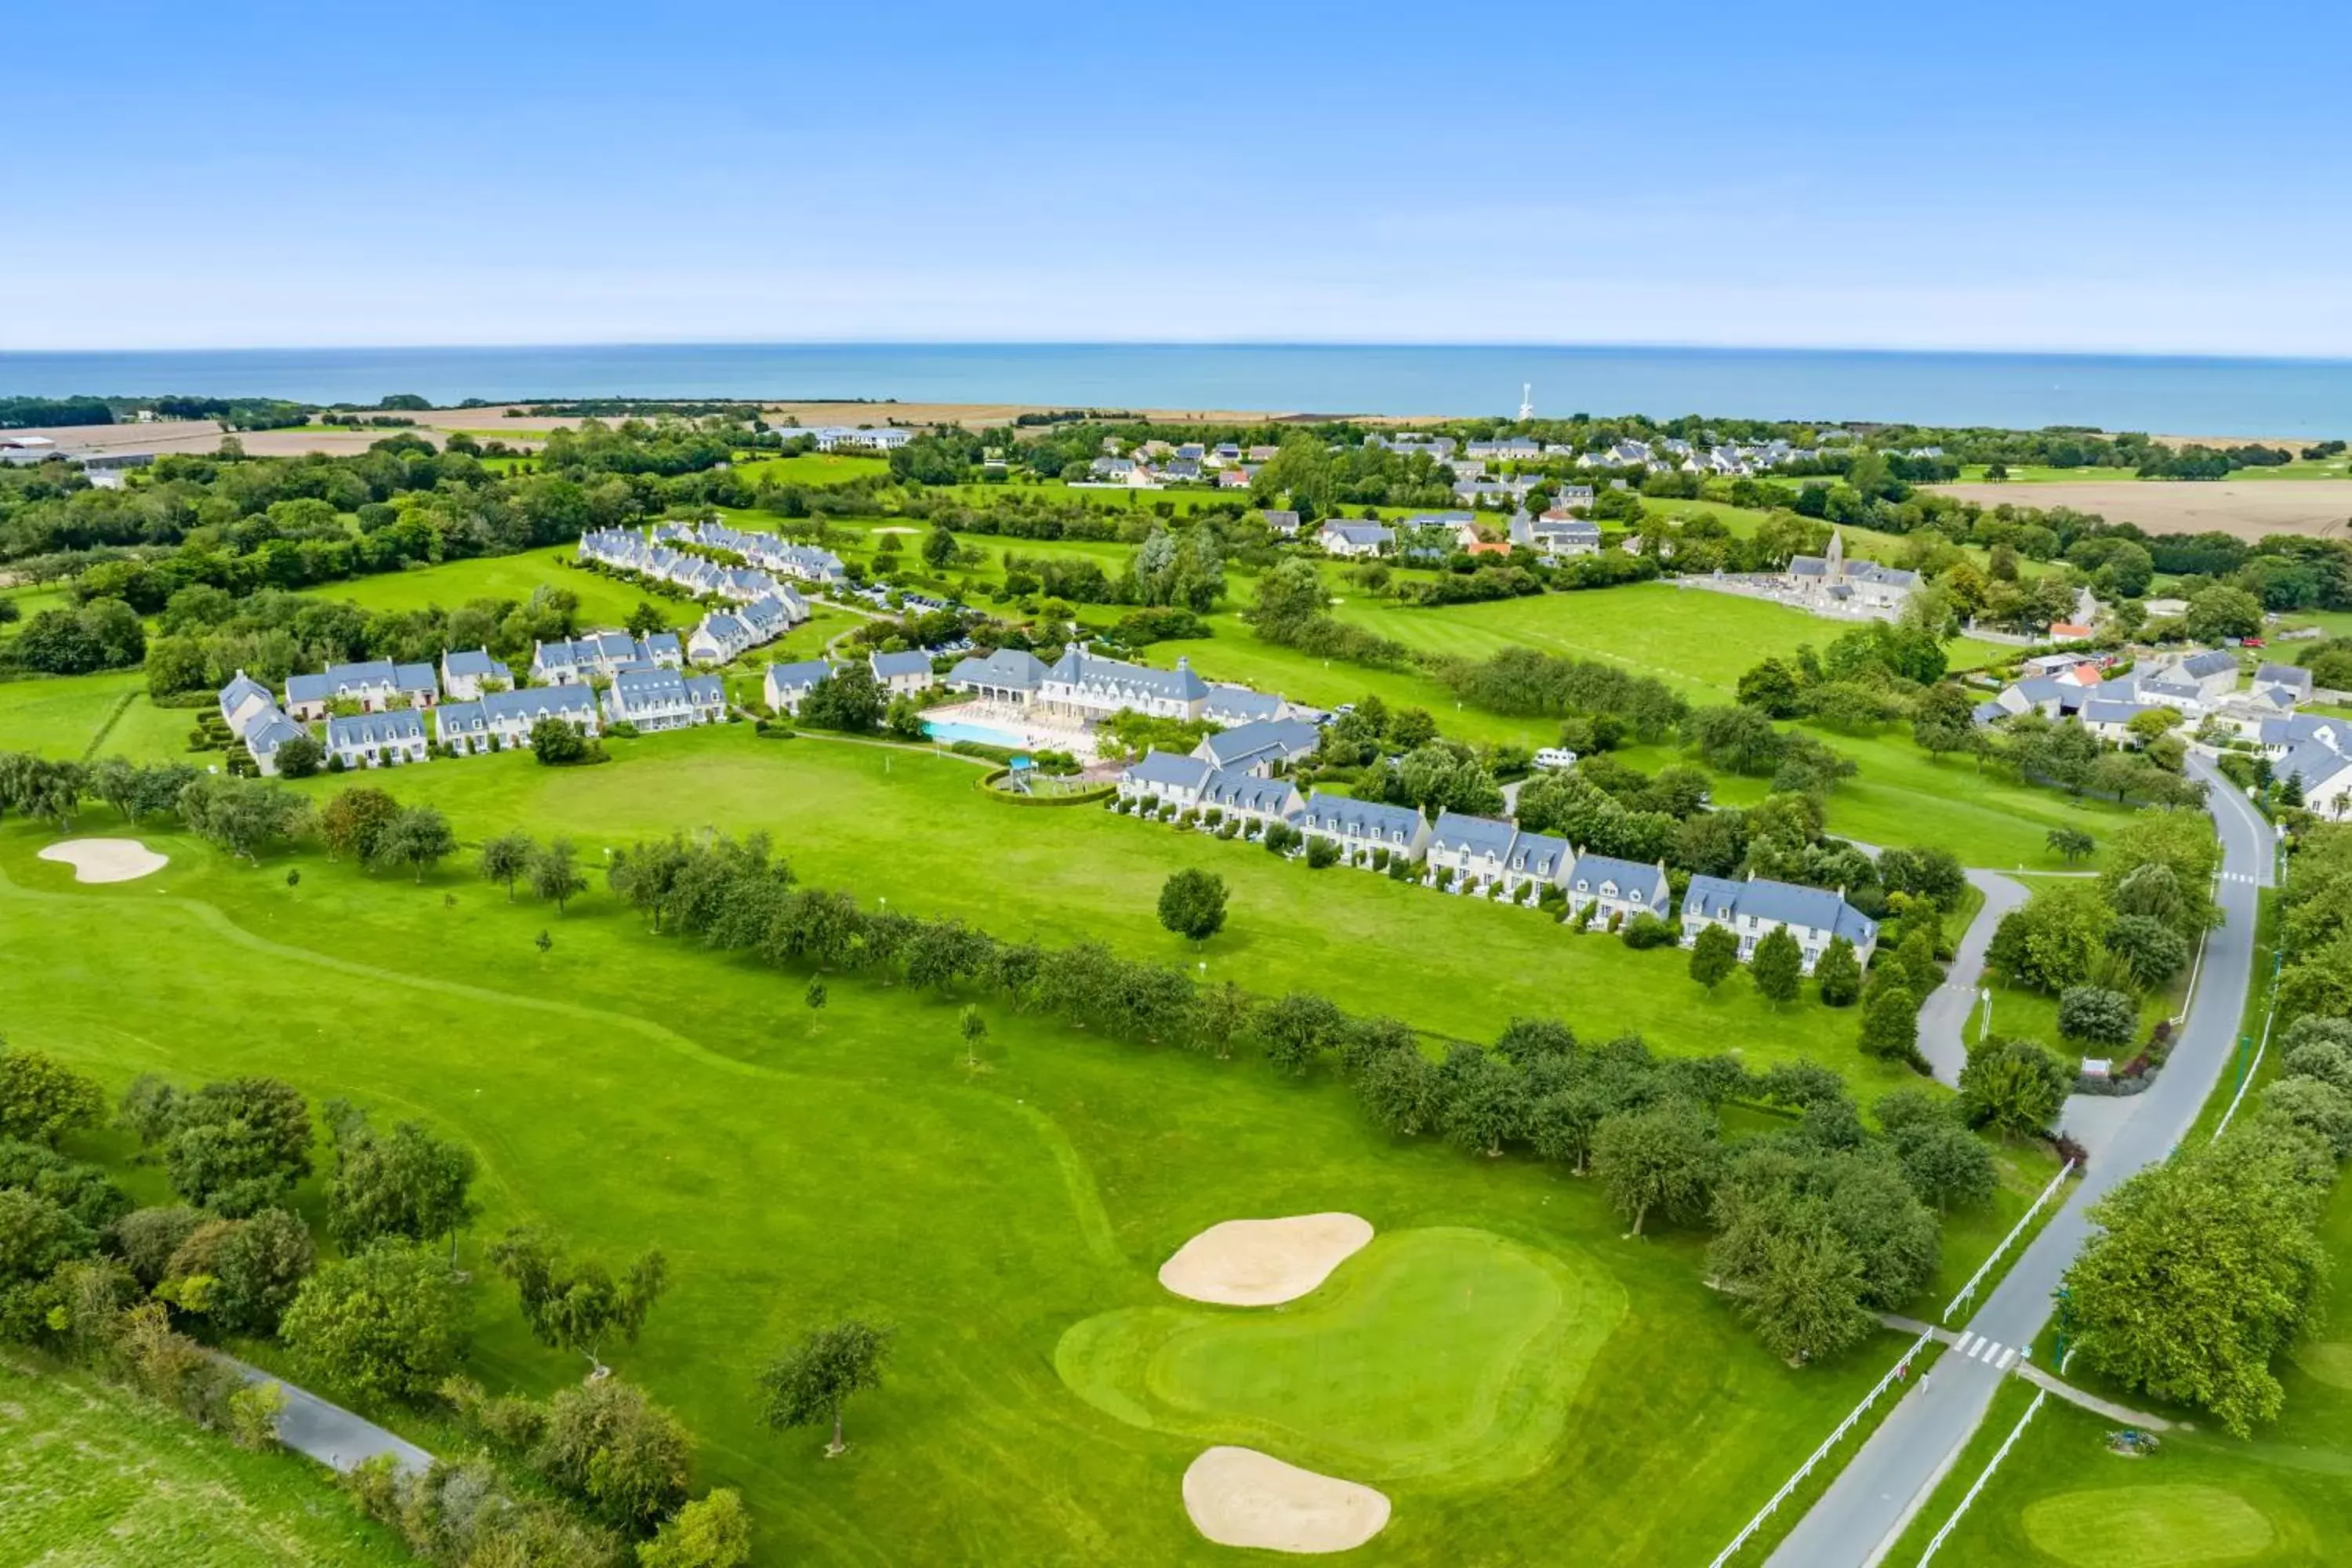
(253, 717)
(601, 655)
(243, 701)
(1261, 747)
(665, 699)
(1754, 908)
(1616, 890)
(1355, 540)
(2199, 679)
(2288, 680)
(2110, 717)
(787, 685)
(1088, 687)
(377, 740)
(376, 685)
(502, 721)
(2321, 772)
(905, 674)
(724, 635)
(834, 438)
(1282, 525)
(467, 673)
(1009, 675)
(1491, 857)
(1167, 778)
(1253, 800)
(1236, 705)
(1556, 533)
(1361, 827)
(1834, 582)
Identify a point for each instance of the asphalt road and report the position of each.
(1873, 1500)
(330, 1433)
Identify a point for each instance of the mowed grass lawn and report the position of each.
(798, 1165)
(93, 1475)
(909, 826)
(604, 601)
(2281, 1500)
(59, 716)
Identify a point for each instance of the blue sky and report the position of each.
(2058, 176)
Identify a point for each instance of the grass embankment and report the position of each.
(96, 1477)
(801, 1165)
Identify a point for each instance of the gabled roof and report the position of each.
(475, 662)
(2212, 661)
(1591, 872)
(1267, 737)
(1239, 705)
(2314, 763)
(1090, 672)
(1170, 770)
(805, 672)
(1345, 816)
(2283, 675)
(1717, 898)
(1476, 834)
(914, 661)
(242, 689)
(1013, 668)
(322, 687)
(1238, 791)
(386, 729)
(1540, 855)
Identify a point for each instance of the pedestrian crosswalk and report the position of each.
(1991, 1353)
(2237, 876)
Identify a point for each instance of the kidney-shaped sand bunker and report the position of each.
(1263, 1262)
(107, 859)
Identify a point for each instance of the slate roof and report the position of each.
(1086, 671)
(324, 687)
(1480, 836)
(1012, 668)
(635, 690)
(2212, 661)
(1348, 817)
(501, 709)
(1169, 770)
(2291, 675)
(1717, 898)
(1540, 855)
(1239, 705)
(805, 673)
(241, 690)
(1237, 791)
(1246, 744)
(361, 731)
(1372, 533)
(912, 662)
(2112, 710)
(270, 730)
(2315, 762)
(1592, 871)
(475, 662)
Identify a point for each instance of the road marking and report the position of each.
(2008, 1358)
(1963, 1342)
(1984, 1349)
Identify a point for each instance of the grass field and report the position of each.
(797, 1165)
(604, 601)
(812, 469)
(96, 1477)
(59, 716)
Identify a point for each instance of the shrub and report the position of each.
(1322, 852)
(1646, 931)
(2096, 1015)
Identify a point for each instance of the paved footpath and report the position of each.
(1873, 1500)
(329, 1433)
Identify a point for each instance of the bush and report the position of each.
(2096, 1015)
(1322, 852)
(1647, 930)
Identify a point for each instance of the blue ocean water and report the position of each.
(2166, 396)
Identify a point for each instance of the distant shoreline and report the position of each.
(2288, 400)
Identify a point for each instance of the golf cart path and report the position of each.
(330, 1433)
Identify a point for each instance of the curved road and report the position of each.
(1874, 1499)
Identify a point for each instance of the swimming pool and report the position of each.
(949, 730)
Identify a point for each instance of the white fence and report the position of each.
(1901, 1366)
(2015, 1231)
(2008, 1442)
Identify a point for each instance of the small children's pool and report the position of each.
(949, 730)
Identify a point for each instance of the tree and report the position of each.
(645, 619)
(1738, 739)
(1483, 1101)
(1772, 686)
(558, 743)
(1838, 973)
(1778, 965)
(848, 699)
(239, 1146)
(242, 817)
(812, 1383)
(1192, 903)
(1890, 1025)
(1797, 1282)
(608, 1445)
(301, 757)
(555, 876)
(354, 822)
(973, 1030)
(2015, 1087)
(2222, 611)
(1400, 1092)
(2096, 1015)
(405, 1183)
(815, 996)
(712, 1532)
(257, 1272)
(1943, 720)
(576, 1304)
(939, 550)
(1715, 953)
(2051, 940)
(1298, 1028)
(1947, 1166)
(41, 1099)
(1661, 1159)
(507, 859)
(2202, 1270)
(419, 837)
(2150, 952)
(388, 1322)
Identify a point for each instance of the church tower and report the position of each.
(1836, 557)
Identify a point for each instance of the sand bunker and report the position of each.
(1239, 1497)
(107, 859)
(1263, 1262)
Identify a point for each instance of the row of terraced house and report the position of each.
(1235, 775)
(375, 712)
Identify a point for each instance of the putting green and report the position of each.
(2149, 1526)
(1448, 1353)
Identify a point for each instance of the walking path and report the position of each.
(1944, 1020)
(1857, 1520)
(2019, 1359)
(330, 1433)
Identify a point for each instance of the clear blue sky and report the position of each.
(2041, 176)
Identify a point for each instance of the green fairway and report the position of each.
(99, 1477)
(798, 1165)
(2151, 1525)
(1447, 1353)
(812, 469)
(59, 716)
(604, 601)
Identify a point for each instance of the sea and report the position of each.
(2303, 399)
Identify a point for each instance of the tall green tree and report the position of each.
(1715, 953)
(505, 859)
(388, 1322)
(1778, 965)
(1662, 1159)
(42, 1099)
(404, 1183)
(575, 1304)
(555, 875)
(1192, 903)
(1837, 974)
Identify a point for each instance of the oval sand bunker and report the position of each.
(1239, 1497)
(1263, 1262)
(107, 859)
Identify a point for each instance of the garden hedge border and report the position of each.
(1095, 795)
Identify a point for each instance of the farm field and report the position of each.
(100, 1478)
(2062, 1499)
(59, 716)
(2247, 508)
(798, 1165)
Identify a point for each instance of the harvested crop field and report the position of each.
(2245, 507)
